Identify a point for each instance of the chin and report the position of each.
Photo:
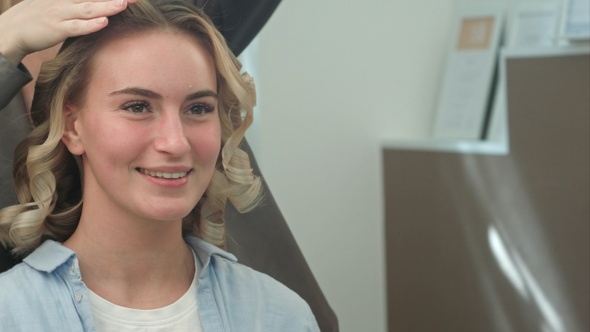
(168, 214)
(167, 209)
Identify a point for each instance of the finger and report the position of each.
(91, 10)
(74, 28)
(82, 1)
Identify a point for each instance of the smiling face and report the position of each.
(147, 128)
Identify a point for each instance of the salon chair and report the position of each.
(261, 238)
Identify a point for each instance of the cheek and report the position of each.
(113, 142)
(206, 142)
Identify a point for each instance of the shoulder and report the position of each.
(18, 280)
(12, 278)
(36, 277)
(21, 292)
(245, 279)
(250, 298)
(38, 294)
(33, 300)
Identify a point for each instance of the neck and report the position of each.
(134, 263)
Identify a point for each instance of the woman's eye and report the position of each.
(200, 109)
(136, 107)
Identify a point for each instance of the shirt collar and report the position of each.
(205, 250)
(49, 256)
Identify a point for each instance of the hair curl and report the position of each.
(48, 178)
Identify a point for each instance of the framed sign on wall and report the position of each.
(468, 79)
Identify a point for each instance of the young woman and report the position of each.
(123, 183)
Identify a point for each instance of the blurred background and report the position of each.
(337, 81)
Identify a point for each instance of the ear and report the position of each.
(71, 136)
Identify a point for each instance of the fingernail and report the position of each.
(120, 2)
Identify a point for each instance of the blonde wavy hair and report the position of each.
(48, 178)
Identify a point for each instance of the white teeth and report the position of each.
(175, 175)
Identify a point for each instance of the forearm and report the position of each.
(238, 21)
(12, 79)
(10, 53)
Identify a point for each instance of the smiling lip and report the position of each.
(167, 174)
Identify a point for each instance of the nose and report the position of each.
(170, 135)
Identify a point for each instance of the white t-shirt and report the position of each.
(181, 315)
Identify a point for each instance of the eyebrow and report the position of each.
(154, 95)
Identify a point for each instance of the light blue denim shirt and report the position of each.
(46, 293)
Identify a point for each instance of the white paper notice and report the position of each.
(577, 19)
(465, 89)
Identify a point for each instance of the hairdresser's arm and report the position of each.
(238, 21)
(12, 79)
